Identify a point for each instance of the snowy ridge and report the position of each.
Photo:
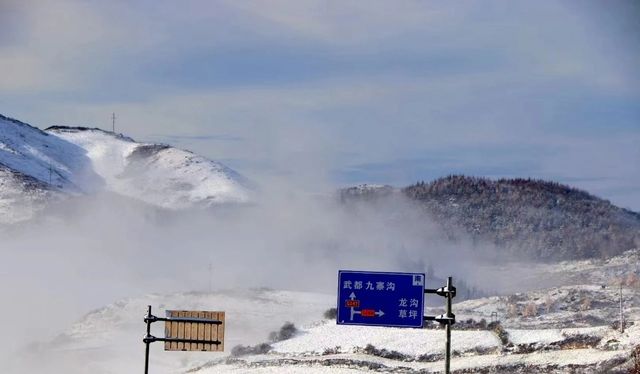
(155, 173)
(46, 158)
(36, 166)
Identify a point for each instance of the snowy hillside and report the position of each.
(155, 173)
(21, 196)
(565, 328)
(568, 328)
(328, 348)
(37, 166)
(539, 220)
(42, 156)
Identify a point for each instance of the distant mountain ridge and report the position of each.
(535, 219)
(543, 220)
(37, 165)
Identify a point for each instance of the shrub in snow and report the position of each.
(244, 350)
(512, 310)
(370, 349)
(331, 313)
(530, 310)
(632, 280)
(548, 304)
(331, 351)
(471, 324)
(579, 341)
(497, 328)
(287, 331)
(585, 304)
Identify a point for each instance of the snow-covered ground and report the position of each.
(578, 360)
(588, 293)
(554, 330)
(329, 347)
(109, 340)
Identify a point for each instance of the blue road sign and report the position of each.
(380, 298)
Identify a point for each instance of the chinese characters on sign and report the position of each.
(379, 286)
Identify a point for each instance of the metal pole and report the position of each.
(448, 319)
(146, 341)
(210, 275)
(447, 356)
(621, 313)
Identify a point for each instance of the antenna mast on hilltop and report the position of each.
(113, 122)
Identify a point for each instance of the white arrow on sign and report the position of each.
(379, 313)
(353, 311)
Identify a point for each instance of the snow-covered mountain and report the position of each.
(37, 166)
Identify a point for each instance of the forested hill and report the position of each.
(539, 219)
(524, 218)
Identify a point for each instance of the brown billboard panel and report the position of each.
(201, 334)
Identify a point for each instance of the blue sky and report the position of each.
(319, 94)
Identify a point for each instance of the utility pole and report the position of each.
(621, 312)
(113, 122)
(210, 275)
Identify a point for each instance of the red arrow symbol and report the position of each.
(368, 313)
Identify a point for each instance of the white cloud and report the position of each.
(54, 36)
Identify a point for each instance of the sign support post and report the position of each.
(447, 358)
(147, 341)
(448, 319)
